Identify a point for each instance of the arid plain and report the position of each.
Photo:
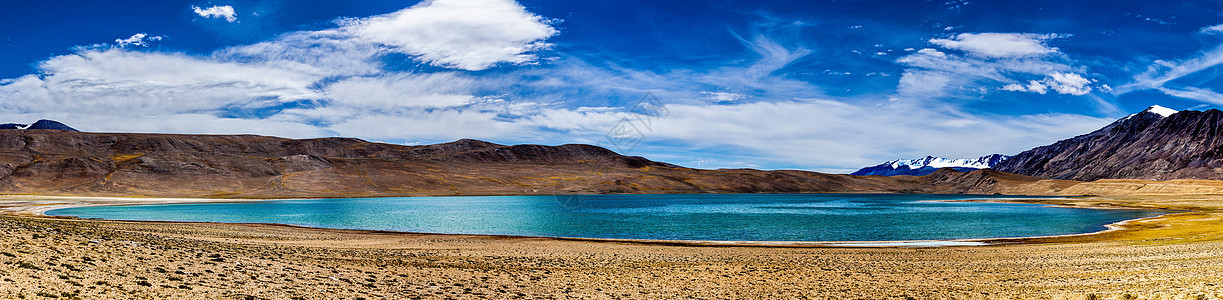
(1177, 256)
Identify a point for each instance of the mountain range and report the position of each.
(927, 165)
(1155, 144)
(56, 162)
(37, 125)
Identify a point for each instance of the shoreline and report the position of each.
(38, 210)
(103, 259)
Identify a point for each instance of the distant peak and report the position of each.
(1160, 110)
(41, 124)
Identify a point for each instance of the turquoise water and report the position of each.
(743, 217)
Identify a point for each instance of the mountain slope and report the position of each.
(53, 162)
(1154, 144)
(927, 165)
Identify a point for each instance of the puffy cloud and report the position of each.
(1000, 45)
(139, 40)
(932, 52)
(1063, 83)
(465, 34)
(919, 82)
(307, 83)
(117, 80)
(1069, 83)
(830, 134)
(1009, 59)
(220, 11)
(334, 82)
(1032, 86)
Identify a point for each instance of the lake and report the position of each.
(720, 217)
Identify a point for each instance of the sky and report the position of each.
(827, 86)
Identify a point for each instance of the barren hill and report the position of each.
(57, 162)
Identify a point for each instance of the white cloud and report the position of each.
(774, 56)
(430, 125)
(465, 34)
(1063, 83)
(1069, 83)
(1214, 29)
(1000, 45)
(990, 60)
(829, 133)
(139, 40)
(1161, 74)
(324, 53)
(1194, 93)
(220, 11)
(117, 80)
(931, 52)
(920, 82)
(1033, 86)
(435, 90)
(723, 97)
(333, 82)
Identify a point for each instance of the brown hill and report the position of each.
(1184, 145)
(56, 162)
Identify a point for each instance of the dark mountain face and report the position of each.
(1184, 145)
(41, 124)
(49, 124)
(887, 170)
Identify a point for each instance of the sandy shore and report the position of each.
(1177, 256)
(32, 205)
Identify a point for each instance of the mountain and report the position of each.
(40, 124)
(927, 165)
(49, 124)
(56, 162)
(1155, 144)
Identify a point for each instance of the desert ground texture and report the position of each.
(1177, 256)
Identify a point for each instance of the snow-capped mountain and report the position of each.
(928, 164)
(1160, 110)
(1157, 110)
(1155, 144)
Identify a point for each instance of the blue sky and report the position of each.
(817, 85)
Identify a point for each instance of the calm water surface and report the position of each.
(745, 217)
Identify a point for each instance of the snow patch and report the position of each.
(939, 162)
(1160, 110)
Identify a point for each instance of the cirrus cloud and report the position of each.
(337, 82)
